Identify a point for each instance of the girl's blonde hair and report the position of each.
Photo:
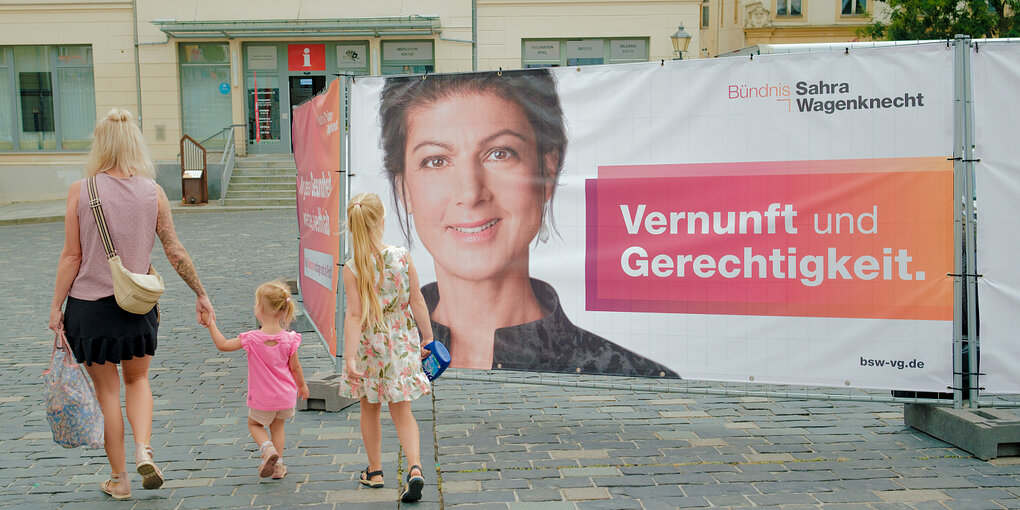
(274, 297)
(118, 143)
(365, 215)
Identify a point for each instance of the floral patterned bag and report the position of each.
(71, 406)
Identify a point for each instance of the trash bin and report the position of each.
(194, 187)
(194, 179)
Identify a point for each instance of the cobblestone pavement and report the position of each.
(494, 445)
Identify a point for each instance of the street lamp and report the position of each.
(680, 41)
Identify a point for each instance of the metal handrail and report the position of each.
(227, 160)
(218, 133)
(226, 147)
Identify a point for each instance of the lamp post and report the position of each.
(680, 41)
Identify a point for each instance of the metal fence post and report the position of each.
(966, 282)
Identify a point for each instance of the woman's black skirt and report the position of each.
(100, 331)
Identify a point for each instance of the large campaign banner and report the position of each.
(781, 219)
(996, 73)
(317, 135)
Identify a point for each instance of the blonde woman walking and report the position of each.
(101, 334)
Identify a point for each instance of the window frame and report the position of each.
(7, 65)
(367, 68)
(383, 62)
(789, 6)
(181, 65)
(561, 60)
(58, 66)
(853, 8)
(53, 67)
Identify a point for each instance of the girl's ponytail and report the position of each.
(364, 222)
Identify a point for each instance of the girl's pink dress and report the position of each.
(271, 385)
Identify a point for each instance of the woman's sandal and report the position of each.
(366, 479)
(415, 484)
(152, 477)
(113, 486)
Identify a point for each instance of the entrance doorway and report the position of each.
(303, 88)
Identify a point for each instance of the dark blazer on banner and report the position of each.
(553, 343)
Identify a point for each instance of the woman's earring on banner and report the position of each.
(543, 228)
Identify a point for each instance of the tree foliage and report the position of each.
(944, 19)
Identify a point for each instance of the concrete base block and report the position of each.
(987, 433)
(323, 395)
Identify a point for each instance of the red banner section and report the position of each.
(317, 156)
(843, 238)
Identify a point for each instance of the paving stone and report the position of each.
(586, 493)
(591, 471)
(528, 446)
(579, 454)
(974, 504)
(540, 495)
(781, 499)
(913, 496)
(543, 505)
(609, 504)
(979, 493)
(492, 496)
(481, 506)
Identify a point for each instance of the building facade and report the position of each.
(209, 69)
(729, 25)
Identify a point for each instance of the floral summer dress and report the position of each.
(390, 353)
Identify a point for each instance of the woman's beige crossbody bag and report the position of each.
(135, 293)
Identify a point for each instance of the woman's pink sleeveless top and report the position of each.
(130, 207)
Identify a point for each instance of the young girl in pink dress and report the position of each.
(382, 353)
(275, 379)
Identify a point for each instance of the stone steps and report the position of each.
(264, 171)
(260, 193)
(262, 182)
(238, 185)
(260, 202)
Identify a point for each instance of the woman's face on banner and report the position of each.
(472, 181)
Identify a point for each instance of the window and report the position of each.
(6, 104)
(705, 15)
(585, 52)
(205, 91)
(352, 57)
(47, 98)
(33, 67)
(77, 100)
(855, 7)
(582, 52)
(407, 57)
(788, 7)
(541, 54)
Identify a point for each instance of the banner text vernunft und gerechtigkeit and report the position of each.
(786, 219)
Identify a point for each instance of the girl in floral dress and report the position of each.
(382, 353)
